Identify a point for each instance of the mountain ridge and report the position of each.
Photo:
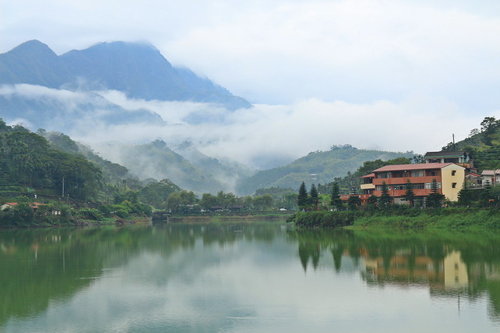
(137, 69)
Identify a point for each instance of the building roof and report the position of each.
(473, 174)
(370, 175)
(490, 172)
(407, 167)
(444, 154)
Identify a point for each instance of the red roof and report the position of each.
(407, 167)
(370, 175)
(473, 174)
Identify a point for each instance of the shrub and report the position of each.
(324, 219)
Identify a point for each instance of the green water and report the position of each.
(257, 277)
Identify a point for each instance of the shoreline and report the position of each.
(84, 223)
(440, 219)
(224, 218)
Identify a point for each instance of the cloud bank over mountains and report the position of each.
(262, 136)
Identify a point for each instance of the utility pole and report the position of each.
(453, 140)
(62, 193)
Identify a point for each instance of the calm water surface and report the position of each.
(256, 277)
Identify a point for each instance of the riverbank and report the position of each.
(443, 218)
(438, 219)
(54, 223)
(226, 218)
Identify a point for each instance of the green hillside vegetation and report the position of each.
(28, 162)
(483, 144)
(317, 167)
(55, 180)
(113, 173)
(156, 193)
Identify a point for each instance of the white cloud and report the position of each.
(286, 51)
(263, 132)
(245, 135)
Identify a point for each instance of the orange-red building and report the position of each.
(448, 176)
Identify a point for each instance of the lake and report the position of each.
(255, 277)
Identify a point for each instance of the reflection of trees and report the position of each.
(412, 258)
(38, 266)
(42, 265)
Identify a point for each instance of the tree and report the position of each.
(353, 202)
(435, 199)
(336, 201)
(409, 194)
(314, 197)
(179, 202)
(488, 123)
(488, 127)
(385, 199)
(302, 199)
(156, 193)
(434, 186)
(372, 200)
(263, 202)
(208, 201)
(473, 132)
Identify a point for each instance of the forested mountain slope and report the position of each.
(317, 167)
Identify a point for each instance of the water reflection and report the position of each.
(237, 277)
(450, 265)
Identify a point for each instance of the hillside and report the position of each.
(28, 163)
(317, 167)
(483, 144)
(113, 173)
(195, 172)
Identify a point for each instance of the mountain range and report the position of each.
(60, 92)
(138, 70)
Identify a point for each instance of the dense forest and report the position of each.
(28, 161)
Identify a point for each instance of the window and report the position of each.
(453, 172)
(417, 173)
(454, 185)
(428, 186)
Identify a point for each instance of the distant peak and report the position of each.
(33, 46)
(121, 45)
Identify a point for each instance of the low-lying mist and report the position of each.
(259, 137)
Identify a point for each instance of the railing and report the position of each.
(404, 180)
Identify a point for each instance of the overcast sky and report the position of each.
(425, 58)
(284, 51)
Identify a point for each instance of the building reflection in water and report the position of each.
(449, 273)
(455, 267)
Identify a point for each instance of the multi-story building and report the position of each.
(457, 157)
(449, 179)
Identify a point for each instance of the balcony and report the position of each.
(404, 180)
(402, 193)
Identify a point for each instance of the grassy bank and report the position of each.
(451, 218)
(442, 218)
